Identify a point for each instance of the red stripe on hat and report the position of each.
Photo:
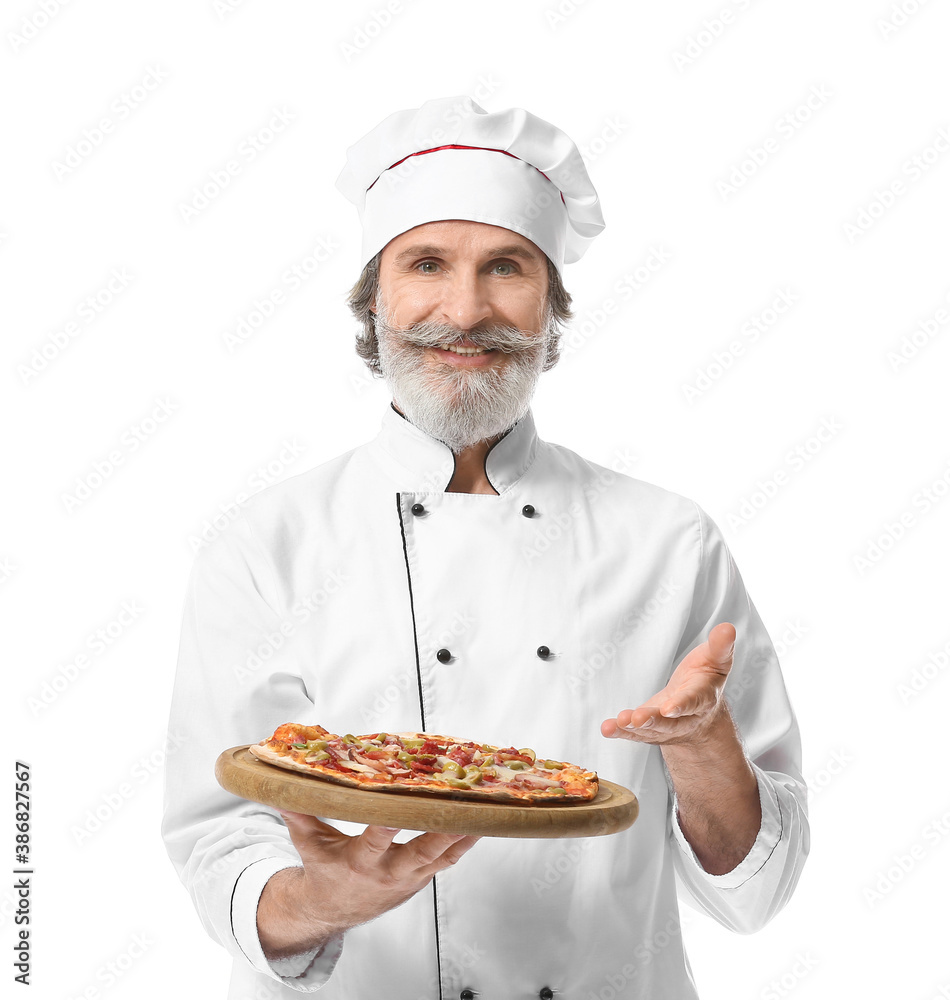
(435, 149)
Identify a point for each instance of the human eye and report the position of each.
(508, 264)
(426, 264)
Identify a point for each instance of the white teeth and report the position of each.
(463, 350)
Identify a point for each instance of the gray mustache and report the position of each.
(507, 339)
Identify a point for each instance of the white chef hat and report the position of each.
(450, 159)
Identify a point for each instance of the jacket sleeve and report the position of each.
(746, 898)
(239, 676)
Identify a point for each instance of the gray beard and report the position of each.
(460, 406)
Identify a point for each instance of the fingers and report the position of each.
(374, 848)
(722, 643)
(642, 718)
(426, 854)
(380, 833)
(302, 825)
(690, 699)
(714, 656)
(672, 721)
(374, 845)
(354, 879)
(437, 849)
(696, 697)
(448, 850)
(656, 729)
(374, 842)
(459, 849)
(311, 836)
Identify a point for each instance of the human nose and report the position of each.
(465, 302)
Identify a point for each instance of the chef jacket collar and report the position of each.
(425, 464)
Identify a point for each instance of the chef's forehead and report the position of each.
(454, 237)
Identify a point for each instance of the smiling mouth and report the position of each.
(465, 350)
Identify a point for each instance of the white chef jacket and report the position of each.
(328, 601)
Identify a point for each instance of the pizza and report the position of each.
(427, 764)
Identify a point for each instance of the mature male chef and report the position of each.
(458, 574)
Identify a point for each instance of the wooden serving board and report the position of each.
(614, 809)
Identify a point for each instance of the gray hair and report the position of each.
(363, 293)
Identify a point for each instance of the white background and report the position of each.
(667, 101)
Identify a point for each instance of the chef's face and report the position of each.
(463, 323)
